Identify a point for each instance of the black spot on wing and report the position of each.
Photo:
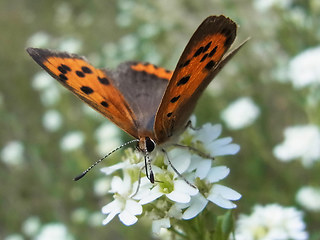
(183, 80)
(86, 90)
(103, 80)
(174, 99)
(210, 65)
(80, 74)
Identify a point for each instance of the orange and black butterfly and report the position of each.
(150, 103)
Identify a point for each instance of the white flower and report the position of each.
(53, 231)
(52, 120)
(173, 196)
(300, 142)
(217, 194)
(304, 68)
(206, 139)
(31, 226)
(170, 184)
(271, 222)
(72, 141)
(240, 113)
(12, 153)
(122, 205)
(309, 198)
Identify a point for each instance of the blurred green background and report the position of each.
(48, 136)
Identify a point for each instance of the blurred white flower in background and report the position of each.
(300, 142)
(101, 186)
(72, 141)
(108, 138)
(12, 153)
(265, 5)
(309, 198)
(54, 231)
(39, 40)
(304, 68)
(31, 226)
(240, 113)
(63, 14)
(42, 80)
(52, 120)
(271, 222)
(14, 236)
(171, 195)
(80, 215)
(71, 45)
(47, 87)
(95, 219)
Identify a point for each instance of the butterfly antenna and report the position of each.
(176, 171)
(94, 164)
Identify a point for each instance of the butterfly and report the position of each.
(150, 103)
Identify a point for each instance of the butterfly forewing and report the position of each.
(199, 60)
(91, 85)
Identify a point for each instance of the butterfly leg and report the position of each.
(147, 164)
(139, 183)
(195, 150)
(189, 125)
(176, 171)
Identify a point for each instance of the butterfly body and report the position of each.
(150, 103)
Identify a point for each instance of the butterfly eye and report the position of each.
(150, 144)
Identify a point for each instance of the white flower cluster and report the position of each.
(171, 197)
(309, 198)
(300, 141)
(304, 68)
(241, 113)
(271, 222)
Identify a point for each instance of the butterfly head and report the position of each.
(146, 144)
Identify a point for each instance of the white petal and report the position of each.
(116, 184)
(229, 149)
(180, 159)
(133, 207)
(198, 203)
(221, 202)
(182, 186)
(127, 218)
(201, 165)
(178, 197)
(115, 205)
(208, 133)
(225, 192)
(160, 223)
(113, 168)
(109, 218)
(153, 195)
(217, 173)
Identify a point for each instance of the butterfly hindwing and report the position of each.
(92, 85)
(194, 71)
